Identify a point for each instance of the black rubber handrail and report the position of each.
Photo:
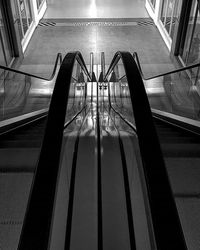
(58, 59)
(135, 56)
(165, 220)
(38, 218)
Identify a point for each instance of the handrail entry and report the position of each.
(58, 58)
(136, 58)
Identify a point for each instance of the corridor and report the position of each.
(99, 149)
(96, 9)
(96, 26)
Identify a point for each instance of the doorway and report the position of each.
(25, 16)
(169, 13)
(189, 53)
(6, 51)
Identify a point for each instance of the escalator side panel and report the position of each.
(84, 220)
(14, 193)
(58, 234)
(115, 221)
(143, 234)
(181, 150)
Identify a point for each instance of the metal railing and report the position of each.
(135, 56)
(58, 60)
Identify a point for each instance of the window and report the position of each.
(6, 51)
(191, 49)
(25, 16)
(169, 14)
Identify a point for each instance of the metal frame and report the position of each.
(39, 4)
(164, 22)
(5, 8)
(182, 29)
(20, 16)
(57, 61)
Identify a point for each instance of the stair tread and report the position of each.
(21, 143)
(180, 149)
(17, 159)
(14, 193)
(184, 174)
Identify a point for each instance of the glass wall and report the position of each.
(6, 53)
(169, 12)
(25, 16)
(191, 50)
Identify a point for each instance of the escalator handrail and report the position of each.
(135, 56)
(58, 59)
(165, 220)
(39, 213)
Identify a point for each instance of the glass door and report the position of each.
(190, 53)
(6, 52)
(169, 14)
(25, 16)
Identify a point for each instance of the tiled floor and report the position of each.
(96, 26)
(131, 36)
(95, 9)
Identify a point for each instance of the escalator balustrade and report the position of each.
(86, 163)
(175, 115)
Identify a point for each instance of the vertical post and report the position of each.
(91, 73)
(99, 181)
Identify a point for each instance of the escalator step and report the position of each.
(188, 210)
(180, 150)
(184, 174)
(14, 192)
(18, 160)
(21, 143)
(169, 138)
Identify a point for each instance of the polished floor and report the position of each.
(96, 9)
(96, 26)
(139, 35)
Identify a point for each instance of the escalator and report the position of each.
(23, 115)
(176, 116)
(174, 100)
(85, 165)
(19, 151)
(181, 151)
(22, 143)
(179, 135)
(22, 129)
